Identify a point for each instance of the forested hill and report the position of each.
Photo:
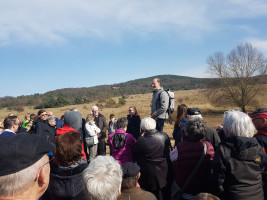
(67, 96)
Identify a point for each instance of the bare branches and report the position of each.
(240, 72)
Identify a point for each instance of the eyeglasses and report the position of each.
(43, 115)
(42, 167)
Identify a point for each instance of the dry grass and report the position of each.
(192, 98)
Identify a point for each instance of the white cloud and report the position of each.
(259, 44)
(31, 21)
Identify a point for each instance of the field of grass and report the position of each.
(192, 98)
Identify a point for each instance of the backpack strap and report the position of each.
(190, 177)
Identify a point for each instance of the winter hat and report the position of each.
(73, 119)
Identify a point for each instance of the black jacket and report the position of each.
(239, 169)
(151, 152)
(66, 182)
(46, 131)
(134, 125)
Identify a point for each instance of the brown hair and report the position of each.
(181, 112)
(68, 148)
(135, 110)
(40, 111)
(128, 183)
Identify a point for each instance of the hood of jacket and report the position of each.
(243, 148)
(73, 119)
(65, 182)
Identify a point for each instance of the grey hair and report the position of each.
(94, 108)
(102, 179)
(236, 123)
(51, 118)
(15, 183)
(148, 124)
(122, 123)
(195, 129)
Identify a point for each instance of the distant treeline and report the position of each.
(70, 96)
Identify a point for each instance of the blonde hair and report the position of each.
(89, 117)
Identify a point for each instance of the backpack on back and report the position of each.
(118, 140)
(170, 109)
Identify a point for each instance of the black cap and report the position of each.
(193, 111)
(17, 152)
(130, 170)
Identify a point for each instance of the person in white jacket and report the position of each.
(91, 130)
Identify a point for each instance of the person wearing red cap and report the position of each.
(259, 119)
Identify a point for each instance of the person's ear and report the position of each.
(119, 193)
(138, 175)
(43, 176)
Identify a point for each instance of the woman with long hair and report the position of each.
(180, 119)
(133, 122)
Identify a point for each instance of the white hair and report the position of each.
(196, 116)
(94, 108)
(102, 179)
(17, 182)
(236, 123)
(148, 124)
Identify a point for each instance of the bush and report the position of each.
(122, 100)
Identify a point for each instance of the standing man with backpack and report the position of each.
(159, 104)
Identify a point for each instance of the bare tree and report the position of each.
(241, 73)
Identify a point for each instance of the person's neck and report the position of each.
(26, 195)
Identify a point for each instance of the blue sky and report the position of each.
(48, 45)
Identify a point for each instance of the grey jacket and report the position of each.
(160, 103)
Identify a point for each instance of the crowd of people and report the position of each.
(48, 158)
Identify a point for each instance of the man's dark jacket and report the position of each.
(239, 169)
(46, 131)
(151, 152)
(261, 137)
(101, 123)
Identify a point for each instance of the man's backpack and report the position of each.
(170, 109)
(118, 140)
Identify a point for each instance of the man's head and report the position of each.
(131, 174)
(156, 84)
(42, 114)
(11, 123)
(259, 118)
(148, 124)
(193, 113)
(50, 114)
(102, 179)
(24, 165)
(74, 109)
(95, 111)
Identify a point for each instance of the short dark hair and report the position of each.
(32, 116)
(68, 148)
(111, 115)
(128, 183)
(41, 111)
(10, 121)
(122, 123)
(195, 129)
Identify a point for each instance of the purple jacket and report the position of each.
(124, 154)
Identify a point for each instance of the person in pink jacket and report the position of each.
(121, 143)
